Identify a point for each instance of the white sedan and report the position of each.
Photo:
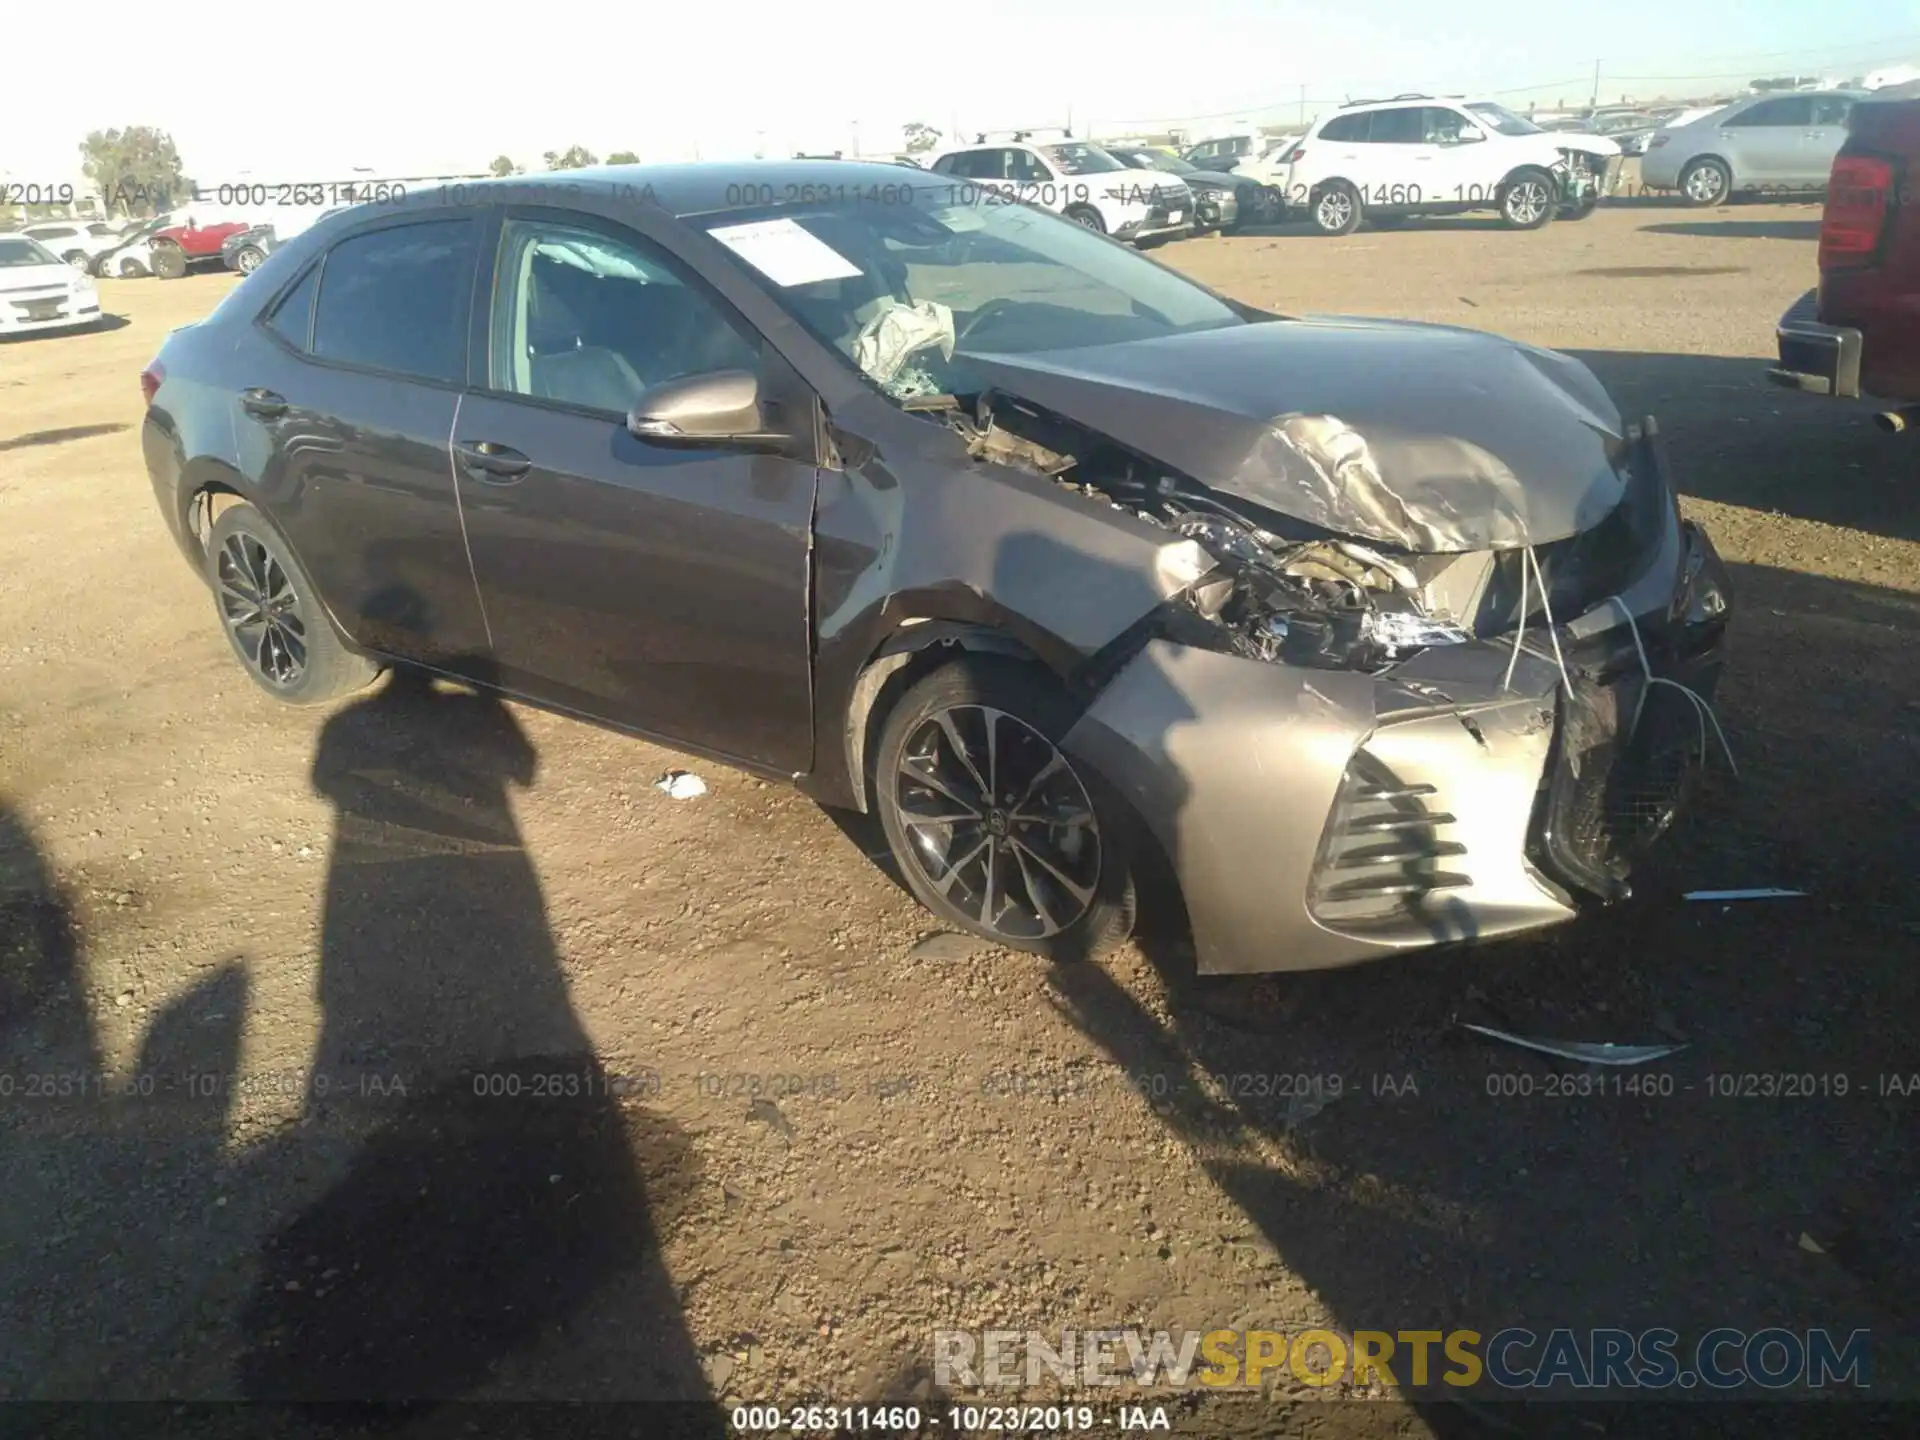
(40, 291)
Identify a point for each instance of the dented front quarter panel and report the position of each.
(1237, 767)
(910, 531)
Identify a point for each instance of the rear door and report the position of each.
(1826, 132)
(660, 588)
(1397, 155)
(343, 419)
(1763, 142)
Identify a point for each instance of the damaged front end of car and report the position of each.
(1461, 703)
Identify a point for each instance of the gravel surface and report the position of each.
(256, 965)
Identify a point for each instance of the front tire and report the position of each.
(995, 830)
(1582, 207)
(169, 262)
(1087, 216)
(1335, 208)
(249, 259)
(1706, 181)
(1527, 200)
(78, 260)
(272, 614)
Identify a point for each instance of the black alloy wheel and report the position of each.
(272, 615)
(992, 824)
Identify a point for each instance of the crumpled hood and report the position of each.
(1429, 438)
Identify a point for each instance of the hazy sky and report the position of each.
(297, 91)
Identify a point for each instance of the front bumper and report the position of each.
(1321, 818)
(1166, 219)
(1820, 359)
(1216, 210)
(47, 312)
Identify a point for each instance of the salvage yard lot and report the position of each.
(831, 1144)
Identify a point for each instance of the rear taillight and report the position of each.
(150, 379)
(1294, 156)
(1859, 194)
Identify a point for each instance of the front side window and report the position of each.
(588, 319)
(1081, 159)
(1445, 126)
(908, 291)
(1026, 167)
(396, 300)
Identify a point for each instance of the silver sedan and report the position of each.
(1765, 142)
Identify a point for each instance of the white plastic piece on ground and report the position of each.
(681, 785)
(899, 331)
(1583, 1052)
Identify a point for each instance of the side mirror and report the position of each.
(720, 408)
(1468, 137)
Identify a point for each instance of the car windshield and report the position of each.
(24, 250)
(1080, 159)
(909, 291)
(1503, 119)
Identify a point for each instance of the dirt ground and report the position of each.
(238, 940)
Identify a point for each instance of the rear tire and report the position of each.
(1335, 208)
(78, 260)
(1527, 199)
(169, 262)
(272, 615)
(249, 259)
(994, 828)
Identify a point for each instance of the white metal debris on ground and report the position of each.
(681, 785)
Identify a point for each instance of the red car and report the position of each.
(179, 246)
(1859, 333)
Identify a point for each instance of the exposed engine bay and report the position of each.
(1282, 590)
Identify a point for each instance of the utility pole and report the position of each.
(1303, 105)
(1595, 101)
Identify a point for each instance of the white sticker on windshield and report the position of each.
(785, 253)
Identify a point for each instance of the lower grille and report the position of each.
(1383, 851)
(1612, 796)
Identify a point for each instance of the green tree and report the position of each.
(623, 157)
(574, 157)
(503, 166)
(137, 170)
(919, 137)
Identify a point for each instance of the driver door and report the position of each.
(658, 588)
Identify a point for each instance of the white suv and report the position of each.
(1415, 155)
(1079, 181)
(78, 242)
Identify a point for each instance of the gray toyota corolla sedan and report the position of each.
(1380, 635)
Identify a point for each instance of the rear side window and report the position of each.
(292, 318)
(396, 300)
(1788, 110)
(1347, 128)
